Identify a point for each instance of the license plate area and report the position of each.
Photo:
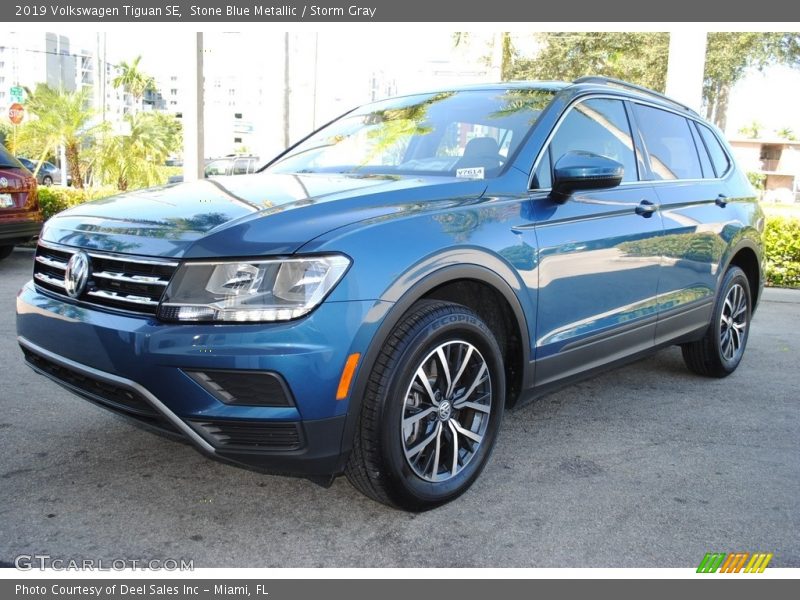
(6, 201)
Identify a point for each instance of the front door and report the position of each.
(597, 275)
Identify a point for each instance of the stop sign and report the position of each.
(16, 112)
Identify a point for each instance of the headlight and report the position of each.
(251, 290)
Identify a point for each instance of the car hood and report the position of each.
(247, 215)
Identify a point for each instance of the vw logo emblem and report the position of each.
(445, 410)
(77, 274)
(3, 182)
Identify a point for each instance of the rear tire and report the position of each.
(431, 411)
(5, 251)
(720, 350)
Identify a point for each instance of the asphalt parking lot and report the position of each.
(646, 466)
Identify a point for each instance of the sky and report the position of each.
(769, 97)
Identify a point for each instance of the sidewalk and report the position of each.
(783, 295)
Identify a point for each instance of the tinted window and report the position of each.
(241, 166)
(718, 155)
(669, 143)
(217, 167)
(705, 162)
(601, 127)
(543, 178)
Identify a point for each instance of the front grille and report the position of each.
(129, 283)
(249, 435)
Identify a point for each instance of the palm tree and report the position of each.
(59, 118)
(135, 159)
(133, 80)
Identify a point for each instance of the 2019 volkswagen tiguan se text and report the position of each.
(370, 302)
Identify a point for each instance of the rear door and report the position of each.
(596, 291)
(689, 181)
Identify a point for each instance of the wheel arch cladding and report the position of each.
(445, 284)
(493, 308)
(746, 259)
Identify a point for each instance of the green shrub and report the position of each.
(55, 199)
(757, 180)
(782, 241)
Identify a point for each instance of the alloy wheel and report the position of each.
(733, 323)
(446, 411)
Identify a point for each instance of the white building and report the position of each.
(28, 59)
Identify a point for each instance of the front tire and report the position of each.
(431, 411)
(720, 350)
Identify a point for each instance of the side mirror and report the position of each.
(576, 171)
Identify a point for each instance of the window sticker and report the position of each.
(470, 173)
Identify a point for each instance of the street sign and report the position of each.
(16, 112)
(17, 94)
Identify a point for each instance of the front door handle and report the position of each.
(646, 209)
(721, 201)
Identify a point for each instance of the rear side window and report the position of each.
(705, 161)
(601, 127)
(719, 158)
(669, 143)
(241, 166)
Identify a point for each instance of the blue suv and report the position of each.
(372, 300)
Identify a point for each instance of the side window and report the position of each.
(241, 166)
(669, 143)
(543, 178)
(705, 161)
(599, 126)
(217, 167)
(718, 155)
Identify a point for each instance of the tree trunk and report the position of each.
(73, 160)
(507, 59)
(721, 112)
(711, 102)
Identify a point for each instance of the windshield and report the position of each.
(469, 134)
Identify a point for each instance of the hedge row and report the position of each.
(782, 242)
(55, 199)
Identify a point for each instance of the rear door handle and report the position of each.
(646, 209)
(721, 201)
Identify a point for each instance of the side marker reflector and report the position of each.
(347, 376)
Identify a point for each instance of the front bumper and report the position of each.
(141, 368)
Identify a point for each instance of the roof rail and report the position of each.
(632, 86)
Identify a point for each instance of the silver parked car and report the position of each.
(48, 173)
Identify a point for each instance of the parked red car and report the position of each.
(20, 216)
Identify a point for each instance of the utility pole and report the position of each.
(286, 90)
(686, 67)
(193, 131)
(316, 76)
